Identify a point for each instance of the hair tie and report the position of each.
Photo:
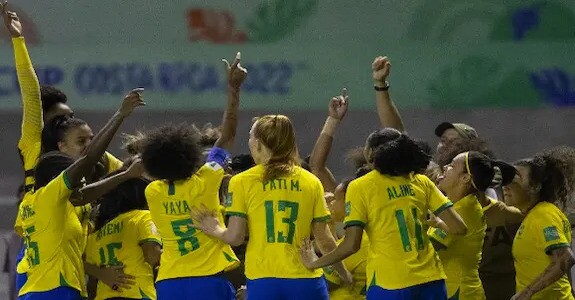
(469, 171)
(497, 177)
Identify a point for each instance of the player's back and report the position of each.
(393, 211)
(188, 252)
(544, 229)
(54, 239)
(280, 213)
(118, 242)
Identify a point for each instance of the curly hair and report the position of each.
(355, 156)
(209, 135)
(132, 143)
(396, 154)
(50, 96)
(425, 147)
(553, 173)
(480, 145)
(127, 196)
(241, 163)
(172, 152)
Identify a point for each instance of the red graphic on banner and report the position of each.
(213, 26)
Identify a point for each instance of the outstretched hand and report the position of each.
(136, 169)
(132, 100)
(116, 279)
(206, 220)
(236, 73)
(381, 67)
(338, 105)
(308, 255)
(11, 20)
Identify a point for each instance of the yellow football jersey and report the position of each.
(462, 255)
(118, 242)
(280, 213)
(189, 252)
(544, 228)
(29, 143)
(393, 212)
(54, 239)
(355, 264)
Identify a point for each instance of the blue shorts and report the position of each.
(61, 293)
(287, 289)
(215, 287)
(434, 290)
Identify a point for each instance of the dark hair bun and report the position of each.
(400, 156)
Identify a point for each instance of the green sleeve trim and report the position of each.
(150, 240)
(322, 219)
(67, 181)
(236, 214)
(442, 208)
(354, 223)
(556, 246)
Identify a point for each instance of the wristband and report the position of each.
(383, 88)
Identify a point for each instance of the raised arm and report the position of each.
(386, 110)
(319, 154)
(94, 191)
(29, 86)
(236, 76)
(98, 146)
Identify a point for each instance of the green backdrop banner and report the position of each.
(299, 53)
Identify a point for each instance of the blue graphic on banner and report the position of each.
(266, 78)
(555, 85)
(525, 19)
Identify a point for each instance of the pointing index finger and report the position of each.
(237, 60)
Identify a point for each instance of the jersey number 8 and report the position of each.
(185, 237)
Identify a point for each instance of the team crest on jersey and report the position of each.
(347, 208)
(551, 233)
(228, 200)
(520, 230)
